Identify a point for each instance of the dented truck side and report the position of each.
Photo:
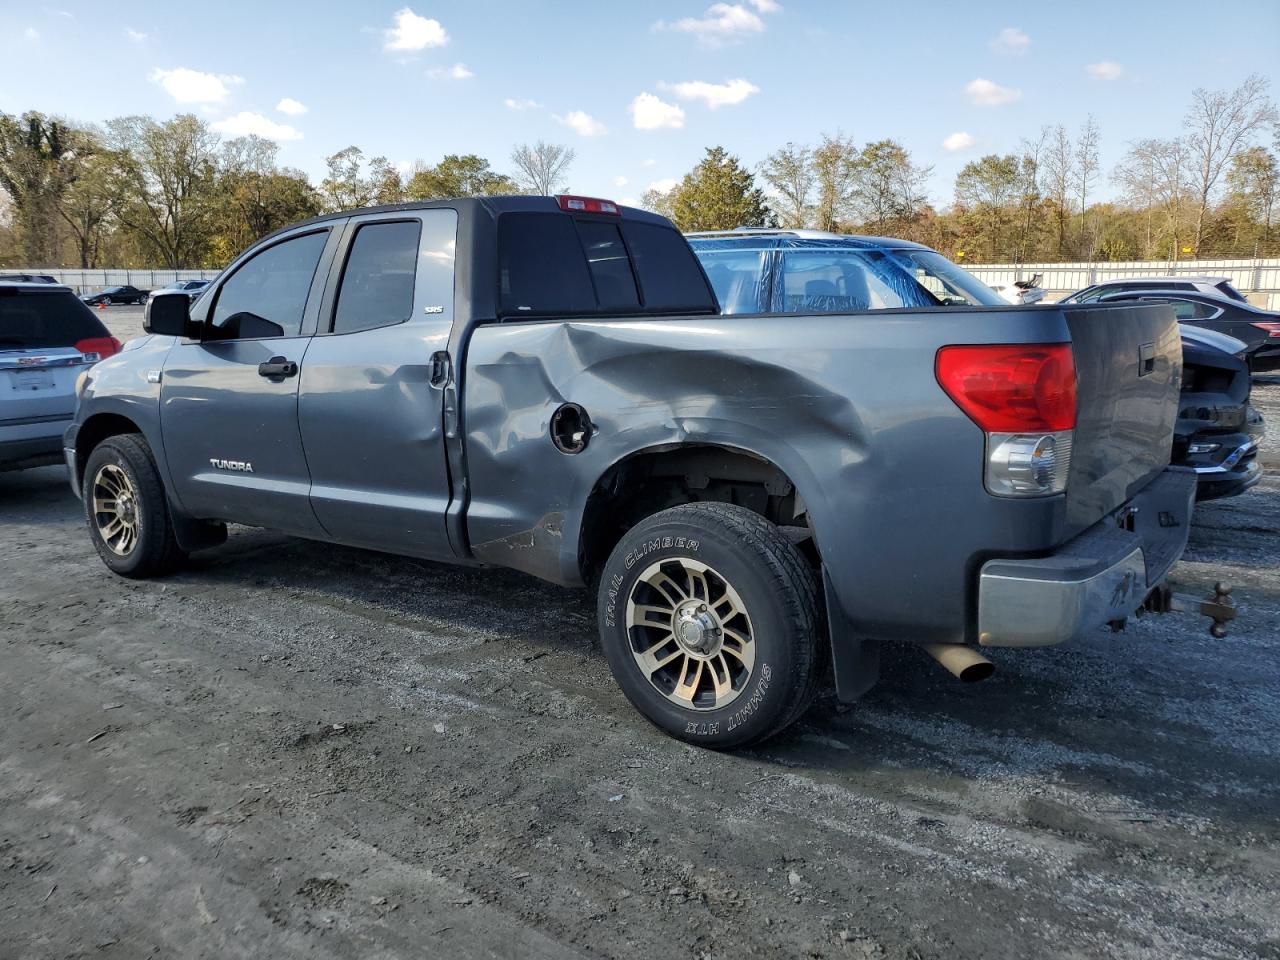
(630, 439)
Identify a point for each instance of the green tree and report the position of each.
(89, 204)
(719, 194)
(257, 195)
(1253, 183)
(459, 176)
(889, 187)
(987, 189)
(166, 178)
(38, 161)
(835, 170)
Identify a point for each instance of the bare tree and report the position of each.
(789, 171)
(1030, 174)
(1154, 175)
(1219, 125)
(1085, 171)
(1059, 158)
(889, 186)
(542, 167)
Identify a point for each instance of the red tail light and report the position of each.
(587, 205)
(98, 348)
(1272, 328)
(1012, 388)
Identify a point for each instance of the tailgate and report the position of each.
(37, 391)
(1129, 372)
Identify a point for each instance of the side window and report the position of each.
(266, 296)
(821, 282)
(541, 269)
(376, 289)
(609, 264)
(737, 276)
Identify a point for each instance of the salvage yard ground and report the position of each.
(294, 749)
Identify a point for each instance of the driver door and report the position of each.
(229, 402)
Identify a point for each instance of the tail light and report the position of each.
(98, 348)
(1272, 327)
(587, 205)
(1023, 396)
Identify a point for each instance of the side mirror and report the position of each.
(169, 314)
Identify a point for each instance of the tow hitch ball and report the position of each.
(1219, 608)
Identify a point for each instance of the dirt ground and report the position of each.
(293, 749)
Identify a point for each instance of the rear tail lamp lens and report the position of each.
(1023, 396)
(1271, 326)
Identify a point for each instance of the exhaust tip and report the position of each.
(963, 663)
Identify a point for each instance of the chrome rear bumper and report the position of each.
(1101, 576)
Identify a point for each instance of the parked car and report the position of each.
(1021, 291)
(1258, 328)
(124, 294)
(1213, 286)
(47, 339)
(1217, 431)
(192, 288)
(547, 384)
(27, 278)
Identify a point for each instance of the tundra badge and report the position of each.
(240, 466)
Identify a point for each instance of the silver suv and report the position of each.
(1214, 286)
(47, 338)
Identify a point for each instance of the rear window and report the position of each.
(45, 320)
(1227, 290)
(550, 264)
(670, 278)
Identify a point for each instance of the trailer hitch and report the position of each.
(1219, 608)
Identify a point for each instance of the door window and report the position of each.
(738, 278)
(267, 295)
(377, 283)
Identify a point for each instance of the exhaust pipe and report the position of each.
(963, 663)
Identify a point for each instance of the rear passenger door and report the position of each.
(371, 400)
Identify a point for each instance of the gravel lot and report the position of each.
(296, 749)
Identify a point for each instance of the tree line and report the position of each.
(141, 192)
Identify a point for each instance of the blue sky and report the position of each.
(636, 89)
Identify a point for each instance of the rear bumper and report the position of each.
(1265, 358)
(1102, 575)
(24, 454)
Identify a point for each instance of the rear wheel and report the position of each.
(710, 619)
(127, 511)
(106, 301)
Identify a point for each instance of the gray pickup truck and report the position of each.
(548, 384)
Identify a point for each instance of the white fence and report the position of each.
(89, 281)
(1247, 276)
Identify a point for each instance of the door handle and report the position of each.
(277, 368)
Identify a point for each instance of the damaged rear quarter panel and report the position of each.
(887, 465)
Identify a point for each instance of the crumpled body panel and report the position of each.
(888, 467)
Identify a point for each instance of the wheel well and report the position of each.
(96, 429)
(645, 483)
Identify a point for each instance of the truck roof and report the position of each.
(851, 239)
(492, 205)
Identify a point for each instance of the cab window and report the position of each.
(267, 295)
(377, 282)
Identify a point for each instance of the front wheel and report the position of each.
(127, 511)
(711, 621)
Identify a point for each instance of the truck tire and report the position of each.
(711, 620)
(127, 510)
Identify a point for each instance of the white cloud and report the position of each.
(620, 181)
(31, 33)
(628, 202)
(650, 113)
(513, 104)
(650, 162)
(1105, 70)
(458, 71)
(137, 36)
(244, 123)
(412, 32)
(723, 22)
(1011, 40)
(292, 107)
(665, 185)
(582, 123)
(714, 94)
(985, 93)
(193, 86)
(958, 141)
(404, 167)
